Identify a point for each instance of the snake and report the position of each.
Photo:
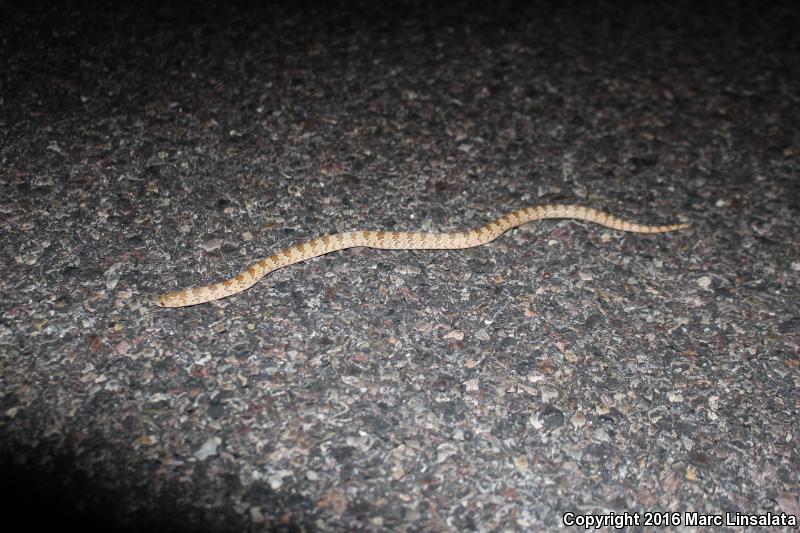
(398, 240)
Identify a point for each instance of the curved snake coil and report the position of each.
(398, 240)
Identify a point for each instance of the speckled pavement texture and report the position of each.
(564, 370)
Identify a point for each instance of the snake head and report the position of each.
(165, 300)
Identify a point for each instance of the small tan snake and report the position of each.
(398, 240)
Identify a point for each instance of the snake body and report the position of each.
(398, 240)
